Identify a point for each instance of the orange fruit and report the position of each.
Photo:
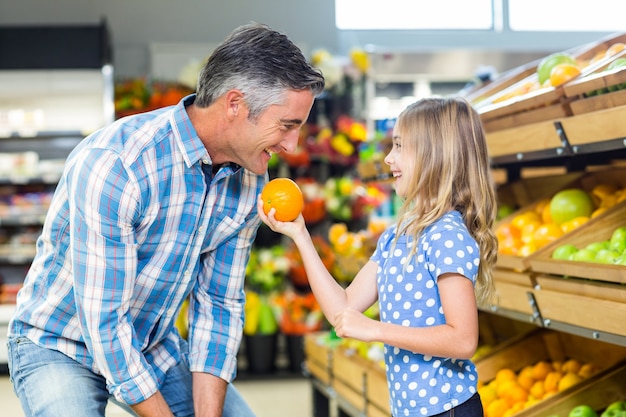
(541, 369)
(562, 73)
(284, 195)
(568, 380)
(576, 222)
(537, 390)
(487, 395)
(506, 374)
(547, 233)
(571, 365)
(614, 49)
(497, 408)
(587, 370)
(524, 218)
(551, 383)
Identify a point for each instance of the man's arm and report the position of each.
(154, 406)
(209, 392)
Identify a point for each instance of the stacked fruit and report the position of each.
(611, 251)
(551, 218)
(615, 409)
(557, 69)
(510, 392)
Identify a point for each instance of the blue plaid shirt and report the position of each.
(139, 222)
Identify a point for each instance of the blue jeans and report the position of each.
(50, 384)
(470, 408)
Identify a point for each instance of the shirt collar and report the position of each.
(190, 145)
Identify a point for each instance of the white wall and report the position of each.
(135, 24)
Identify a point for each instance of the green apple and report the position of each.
(618, 63)
(583, 411)
(621, 260)
(564, 252)
(504, 210)
(583, 255)
(598, 246)
(606, 256)
(569, 204)
(613, 413)
(546, 64)
(618, 237)
(617, 405)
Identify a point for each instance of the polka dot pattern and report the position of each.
(422, 385)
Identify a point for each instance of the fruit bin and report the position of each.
(605, 86)
(597, 392)
(525, 103)
(596, 305)
(586, 181)
(541, 351)
(349, 372)
(524, 193)
(597, 126)
(595, 230)
(548, 345)
(318, 353)
(512, 291)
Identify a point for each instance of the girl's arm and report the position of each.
(458, 338)
(331, 296)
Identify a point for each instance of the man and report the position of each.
(150, 210)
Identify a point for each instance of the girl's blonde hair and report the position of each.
(445, 139)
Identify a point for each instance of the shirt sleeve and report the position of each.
(453, 250)
(217, 302)
(103, 204)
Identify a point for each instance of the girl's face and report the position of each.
(399, 164)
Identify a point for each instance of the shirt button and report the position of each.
(187, 273)
(205, 161)
(201, 229)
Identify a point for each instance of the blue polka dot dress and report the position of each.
(421, 385)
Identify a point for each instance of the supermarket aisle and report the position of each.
(269, 398)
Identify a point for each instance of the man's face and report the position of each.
(275, 130)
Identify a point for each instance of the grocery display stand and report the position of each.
(579, 133)
(56, 86)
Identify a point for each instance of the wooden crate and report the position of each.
(318, 356)
(599, 79)
(540, 104)
(512, 291)
(588, 304)
(586, 181)
(349, 375)
(547, 345)
(377, 391)
(597, 392)
(597, 126)
(523, 139)
(596, 229)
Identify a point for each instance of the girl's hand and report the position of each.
(289, 229)
(354, 324)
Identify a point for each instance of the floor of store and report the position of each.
(272, 397)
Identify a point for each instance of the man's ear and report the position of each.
(234, 103)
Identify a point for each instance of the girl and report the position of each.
(430, 270)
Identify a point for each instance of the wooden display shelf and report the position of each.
(595, 230)
(533, 137)
(547, 345)
(541, 103)
(586, 181)
(318, 356)
(597, 392)
(598, 126)
(512, 291)
(586, 304)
